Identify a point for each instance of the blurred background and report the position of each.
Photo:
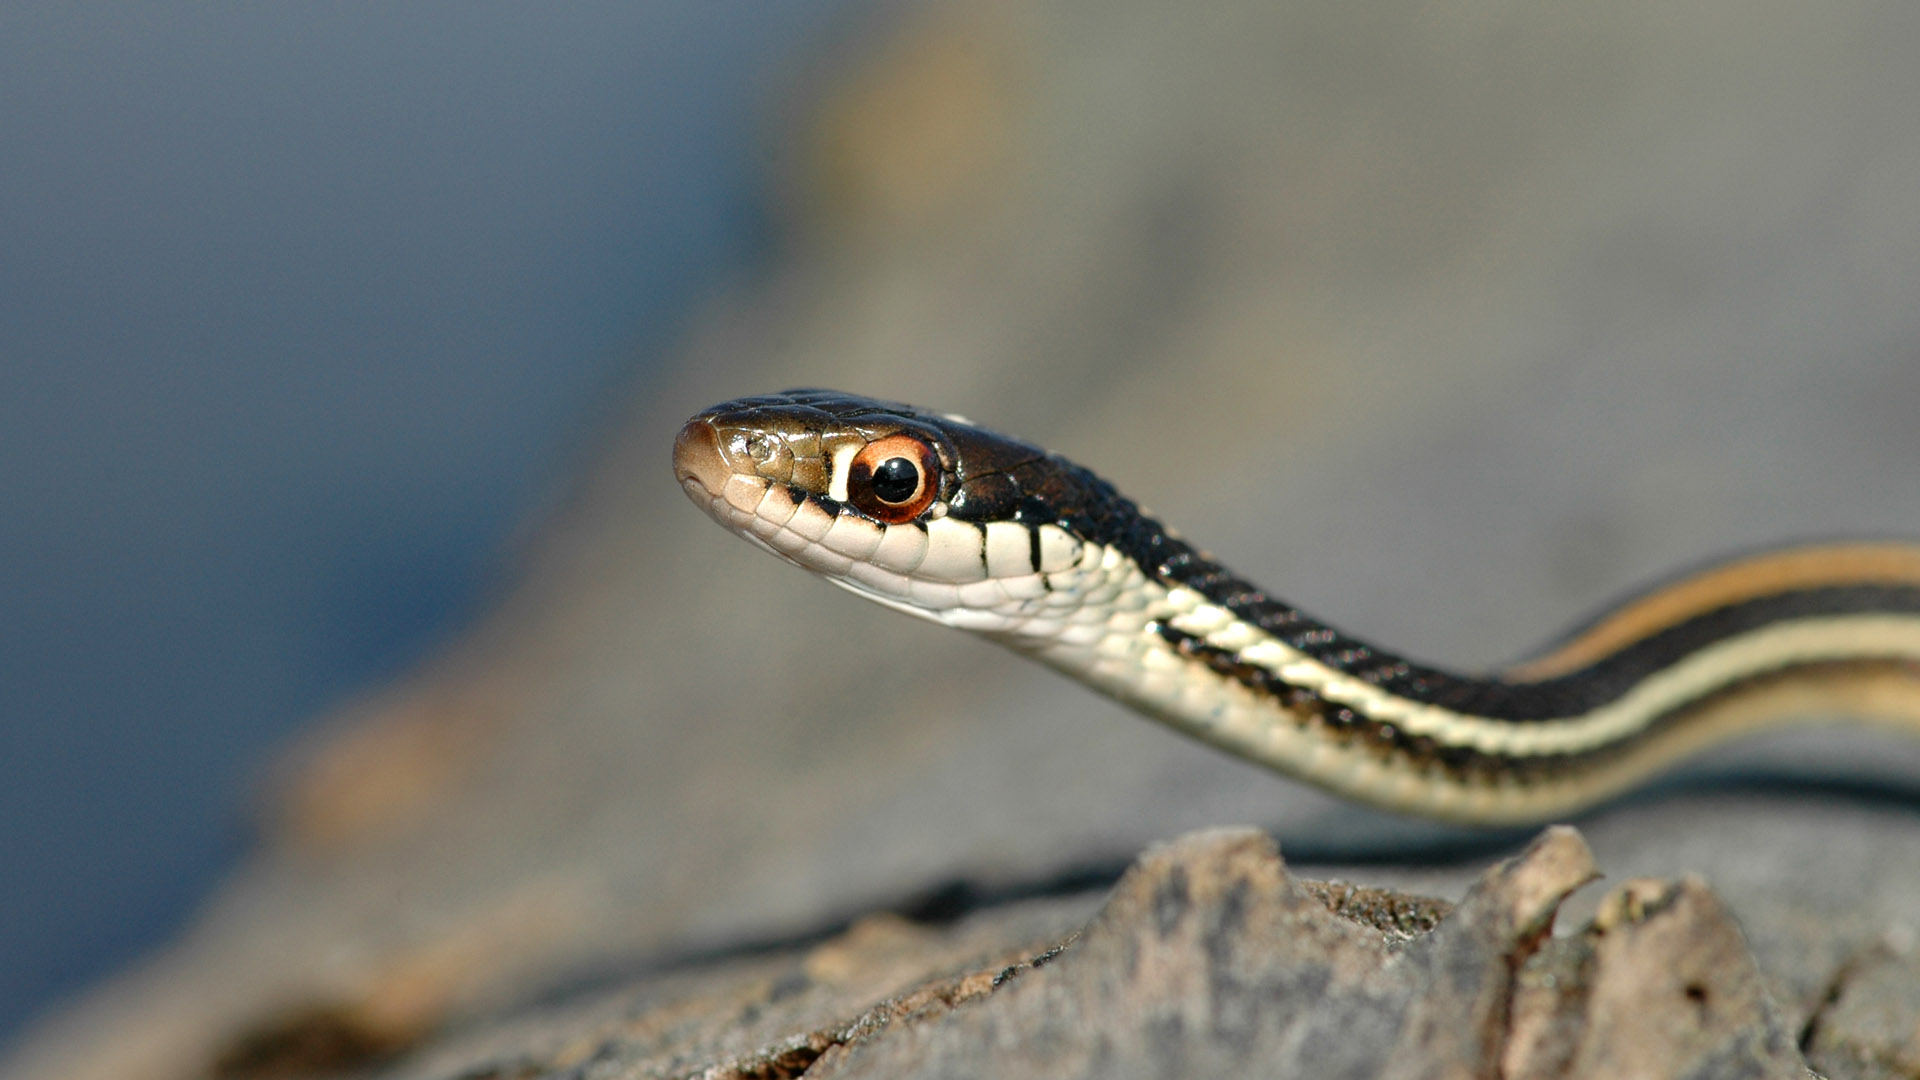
(306, 309)
(361, 654)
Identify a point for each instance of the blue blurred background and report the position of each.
(302, 309)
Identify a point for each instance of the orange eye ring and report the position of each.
(893, 479)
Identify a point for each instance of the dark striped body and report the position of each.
(1046, 557)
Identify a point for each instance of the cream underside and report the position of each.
(1087, 610)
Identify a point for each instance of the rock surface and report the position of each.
(1207, 960)
(1446, 322)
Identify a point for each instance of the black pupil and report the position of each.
(896, 480)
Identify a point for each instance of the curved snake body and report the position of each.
(930, 514)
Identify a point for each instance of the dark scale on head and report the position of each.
(993, 497)
(1033, 511)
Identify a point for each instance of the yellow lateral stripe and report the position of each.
(1742, 580)
(1724, 663)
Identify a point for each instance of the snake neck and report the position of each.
(1164, 627)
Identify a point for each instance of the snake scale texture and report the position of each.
(933, 515)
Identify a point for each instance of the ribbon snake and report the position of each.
(930, 514)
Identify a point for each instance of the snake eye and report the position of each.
(893, 479)
(896, 480)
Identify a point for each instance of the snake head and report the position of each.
(891, 462)
(921, 511)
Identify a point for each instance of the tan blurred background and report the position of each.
(1446, 322)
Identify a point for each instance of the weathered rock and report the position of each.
(1206, 960)
(1660, 984)
(765, 1017)
(1868, 1026)
(1209, 961)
